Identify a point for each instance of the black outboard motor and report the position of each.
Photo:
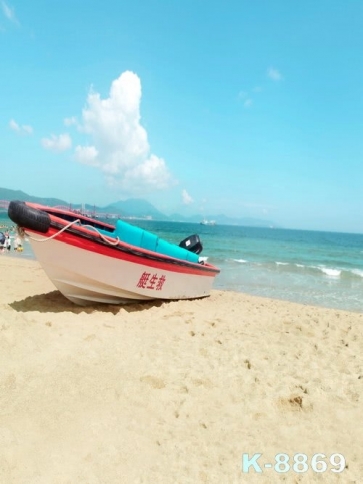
(192, 243)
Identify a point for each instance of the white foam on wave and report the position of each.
(282, 263)
(241, 261)
(357, 272)
(330, 272)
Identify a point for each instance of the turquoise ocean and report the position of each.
(310, 267)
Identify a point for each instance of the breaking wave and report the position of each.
(330, 272)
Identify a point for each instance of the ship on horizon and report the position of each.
(207, 222)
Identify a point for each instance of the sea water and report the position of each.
(318, 268)
(310, 267)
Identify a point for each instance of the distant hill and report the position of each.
(7, 194)
(136, 207)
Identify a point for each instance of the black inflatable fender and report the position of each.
(28, 217)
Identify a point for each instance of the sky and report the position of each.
(236, 107)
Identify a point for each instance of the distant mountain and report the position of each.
(7, 194)
(136, 207)
(133, 207)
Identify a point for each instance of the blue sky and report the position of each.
(247, 108)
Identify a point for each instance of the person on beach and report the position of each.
(8, 242)
(2, 241)
(17, 244)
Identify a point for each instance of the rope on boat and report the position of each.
(54, 235)
(67, 227)
(102, 236)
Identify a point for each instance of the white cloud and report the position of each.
(245, 97)
(70, 121)
(242, 95)
(87, 155)
(274, 74)
(187, 199)
(119, 144)
(9, 12)
(57, 143)
(14, 125)
(152, 174)
(24, 129)
(27, 129)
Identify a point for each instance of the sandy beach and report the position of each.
(173, 392)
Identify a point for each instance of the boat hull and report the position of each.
(85, 276)
(89, 262)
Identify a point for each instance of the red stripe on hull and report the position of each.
(170, 264)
